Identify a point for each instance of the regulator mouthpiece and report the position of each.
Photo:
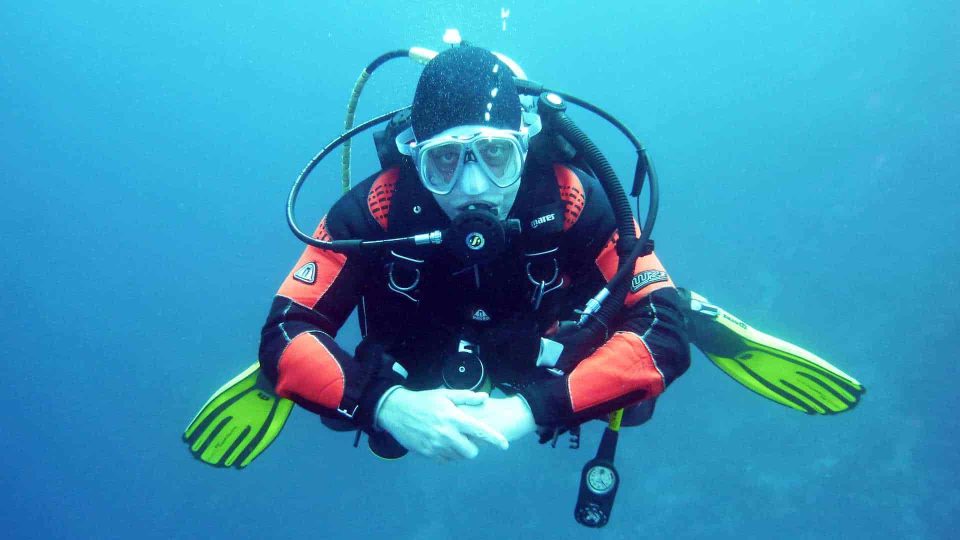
(477, 236)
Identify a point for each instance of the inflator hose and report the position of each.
(336, 245)
(609, 180)
(598, 326)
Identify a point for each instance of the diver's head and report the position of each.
(470, 144)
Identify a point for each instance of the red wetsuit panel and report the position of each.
(309, 372)
(298, 351)
(648, 273)
(572, 194)
(314, 272)
(648, 348)
(623, 365)
(378, 199)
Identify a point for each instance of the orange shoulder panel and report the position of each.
(381, 192)
(648, 273)
(314, 272)
(321, 232)
(571, 192)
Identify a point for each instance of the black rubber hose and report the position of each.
(532, 88)
(638, 249)
(608, 179)
(295, 190)
(598, 326)
(602, 114)
(643, 168)
(644, 165)
(386, 57)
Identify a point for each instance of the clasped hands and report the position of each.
(447, 424)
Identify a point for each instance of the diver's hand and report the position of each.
(429, 422)
(510, 416)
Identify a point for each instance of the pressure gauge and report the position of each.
(601, 479)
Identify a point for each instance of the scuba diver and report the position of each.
(473, 259)
(422, 309)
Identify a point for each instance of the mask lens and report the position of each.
(439, 165)
(502, 158)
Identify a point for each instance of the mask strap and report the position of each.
(404, 140)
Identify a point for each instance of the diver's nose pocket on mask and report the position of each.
(474, 180)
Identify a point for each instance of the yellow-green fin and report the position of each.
(238, 422)
(777, 370)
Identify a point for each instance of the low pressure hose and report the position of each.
(600, 313)
(336, 245)
(557, 119)
(609, 180)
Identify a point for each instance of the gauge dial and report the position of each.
(601, 479)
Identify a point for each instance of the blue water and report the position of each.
(807, 153)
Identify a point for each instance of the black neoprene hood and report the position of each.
(464, 86)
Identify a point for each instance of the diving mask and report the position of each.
(441, 161)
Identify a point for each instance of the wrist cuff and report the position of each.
(548, 401)
(369, 402)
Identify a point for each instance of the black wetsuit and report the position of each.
(417, 304)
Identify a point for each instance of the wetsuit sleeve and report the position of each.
(298, 352)
(647, 348)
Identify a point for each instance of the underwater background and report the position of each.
(807, 153)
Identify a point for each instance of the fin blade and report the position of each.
(831, 377)
(237, 385)
(279, 414)
(238, 422)
(240, 445)
(212, 430)
(769, 366)
(750, 379)
(222, 443)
